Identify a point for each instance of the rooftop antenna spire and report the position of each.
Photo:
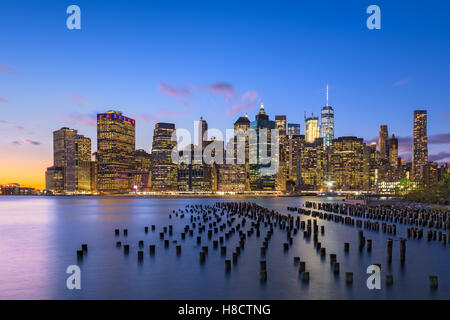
(327, 94)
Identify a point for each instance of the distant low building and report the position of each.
(14, 189)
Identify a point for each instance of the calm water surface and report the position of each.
(39, 237)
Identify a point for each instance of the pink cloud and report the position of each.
(3, 100)
(248, 102)
(239, 108)
(76, 118)
(15, 126)
(15, 142)
(446, 115)
(176, 93)
(79, 100)
(147, 118)
(252, 95)
(32, 142)
(171, 114)
(8, 70)
(222, 88)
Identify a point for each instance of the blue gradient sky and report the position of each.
(175, 61)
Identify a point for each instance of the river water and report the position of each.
(39, 237)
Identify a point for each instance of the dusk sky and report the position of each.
(174, 61)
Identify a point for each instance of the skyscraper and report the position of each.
(55, 176)
(293, 129)
(312, 165)
(393, 151)
(202, 129)
(280, 122)
(115, 151)
(163, 169)
(348, 163)
(420, 144)
(241, 153)
(260, 151)
(327, 124)
(383, 136)
(312, 129)
(78, 171)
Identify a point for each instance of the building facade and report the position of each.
(164, 170)
(115, 151)
(420, 144)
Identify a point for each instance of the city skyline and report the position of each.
(164, 68)
(252, 160)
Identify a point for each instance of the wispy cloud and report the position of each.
(171, 113)
(8, 70)
(401, 82)
(15, 126)
(79, 100)
(439, 157)
(146, 118)
(177, 93)
(405, 143)
(248, 102)
(3, 100)
(76, 118)
(446, 115)
(32, 142)
(222, 88)
(440, 138)
(15, 142)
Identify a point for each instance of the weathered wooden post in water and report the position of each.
(227, 265)
(346, 247)
(402, 249)
(262, 270)
(349, 277)
(433, 282)
(389, 250)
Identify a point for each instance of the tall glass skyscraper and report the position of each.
(259, 181)
(163, 169)
(327, 124)
(420, 144)
(312, 129)
(115, 151)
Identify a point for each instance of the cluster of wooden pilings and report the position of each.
(213, 226)
(362, 216)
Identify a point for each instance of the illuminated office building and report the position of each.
(193, 176)
(294, 146)
(393, 151)
(383, 137)
(420, 144)
(327, 124)
(312, 129)
(280, 123)
(348, 164)
(55, 176)
(263, 163)
(141, 175)
(240, 153)
(312, 157)
(293, 129)
(282, 174)
(115, 152)
(163, 169)
(202, 130)
(78, 171)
